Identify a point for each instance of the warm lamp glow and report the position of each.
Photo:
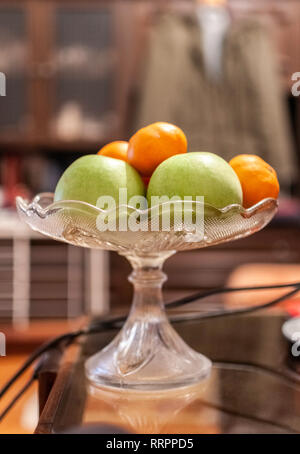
(213, 2)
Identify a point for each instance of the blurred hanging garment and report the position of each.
(242, 112)
(214, 23)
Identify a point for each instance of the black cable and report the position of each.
(104, 325)
(200, 295)
(17, 396)
(67, 337)
(15, 399)
(248, 310)
(35, 355)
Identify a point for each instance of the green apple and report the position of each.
(93, 176)
(196, 174)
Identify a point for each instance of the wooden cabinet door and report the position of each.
(84, 58)
(15, 116)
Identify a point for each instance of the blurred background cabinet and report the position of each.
(14, 57)
(71, 65)
(60, 62)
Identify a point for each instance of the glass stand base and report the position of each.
(147, 354)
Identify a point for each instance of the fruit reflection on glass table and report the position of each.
(148, 354)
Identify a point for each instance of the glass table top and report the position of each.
(254, 386)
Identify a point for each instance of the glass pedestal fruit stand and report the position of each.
(147, 354)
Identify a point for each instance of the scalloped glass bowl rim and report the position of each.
(35, 206)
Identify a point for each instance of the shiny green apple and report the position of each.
(93, 176)
(196, 174)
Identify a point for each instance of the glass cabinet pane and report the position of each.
(13, 63)
(84, 66)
